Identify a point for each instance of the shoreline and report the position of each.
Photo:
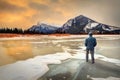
(10, 35)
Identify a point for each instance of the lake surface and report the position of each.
(12, 50)
(17, 49)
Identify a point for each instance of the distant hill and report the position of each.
(77, 25)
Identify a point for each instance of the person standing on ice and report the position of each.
(90, 44)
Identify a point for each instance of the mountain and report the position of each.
(82, 24)
(43, 28)
(78, 25)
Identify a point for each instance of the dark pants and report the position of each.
(92, 55)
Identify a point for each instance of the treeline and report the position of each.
(58, 31)
(21, 31)
(16, 31)
(11, 30)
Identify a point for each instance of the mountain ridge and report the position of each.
(43, 28)
(77, 25)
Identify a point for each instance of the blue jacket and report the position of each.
(90, 43)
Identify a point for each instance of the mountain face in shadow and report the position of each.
(82, 24)
(77, 25)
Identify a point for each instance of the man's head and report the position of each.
(90, 34)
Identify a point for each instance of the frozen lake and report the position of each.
(46, 57)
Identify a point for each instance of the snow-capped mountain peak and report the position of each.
(82, 24)
(43, 28)
(77, 25)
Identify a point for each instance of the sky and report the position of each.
(25, 13)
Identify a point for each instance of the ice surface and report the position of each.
(80, 54)
(34, 68)
(31, 69)
(109, 78)
(23, 70)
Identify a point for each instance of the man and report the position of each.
(90, 43)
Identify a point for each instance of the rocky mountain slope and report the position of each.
(77, 25)
(82, 24)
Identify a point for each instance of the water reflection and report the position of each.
(13, 50)
(109, 48)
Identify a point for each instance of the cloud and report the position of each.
(7, 7)
(25, 13)
(15, 15)
(38, 6)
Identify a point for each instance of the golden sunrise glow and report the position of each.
(18, 50)
(25, 13)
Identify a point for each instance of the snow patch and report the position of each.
(31, 69)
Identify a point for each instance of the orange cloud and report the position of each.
(21, 3)
(7, 17)
(25, 13)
